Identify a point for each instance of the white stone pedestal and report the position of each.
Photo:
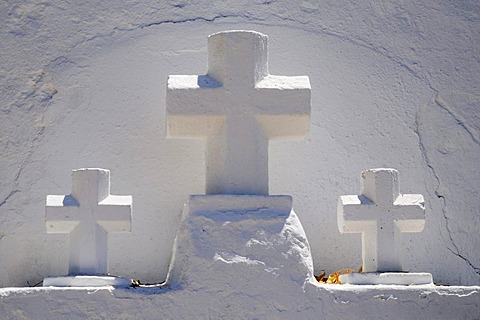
(87, 281)
(225, 238)
(387, 278)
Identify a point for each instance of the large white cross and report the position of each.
(237, 107)
(88, 213)
(381, 213)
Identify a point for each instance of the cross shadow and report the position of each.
(365, 200)
(205, 81)
(70, 201)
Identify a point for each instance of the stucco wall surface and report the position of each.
(394, 84)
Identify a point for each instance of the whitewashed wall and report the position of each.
(394, 84)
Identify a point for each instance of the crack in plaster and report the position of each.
(147, 25)
(152, 24)
(34, 143)
(303, 26)
(458, 254)
(462, 122)
(354, 40)
(13, 192)
(426, 158)
(38, 91)
(63, 58)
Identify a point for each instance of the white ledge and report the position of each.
(312, 302)
(387, 278)
(87, 281)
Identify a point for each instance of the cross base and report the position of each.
(87, 281)
(233, 239)
(388, 278)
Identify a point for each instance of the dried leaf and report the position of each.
(321, 277)
(333, 278)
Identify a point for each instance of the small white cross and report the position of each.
(237, 107)
(380, 213)
(89, 213)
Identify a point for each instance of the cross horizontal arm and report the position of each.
(280, 104)
(410, 200)
(114, 213)
(275, 95)
(60, 215)
(191, 82)
(284, 83)
(354, 214)
(193, 110)
(185, 96)
(357, 207)
(409, 213)
(61, 201)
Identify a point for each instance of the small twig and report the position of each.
(35, 285)
(138, 284)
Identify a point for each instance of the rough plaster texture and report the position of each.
(381, 214)
(312, 302)
(226, 237)
(237, 107)
(394, 84)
